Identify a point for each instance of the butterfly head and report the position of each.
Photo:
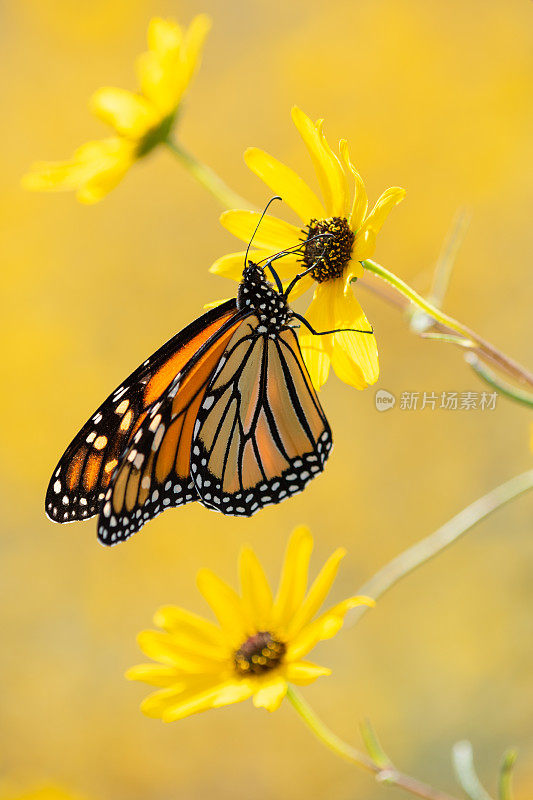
(256, 295)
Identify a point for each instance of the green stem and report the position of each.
(207, 177)
(433, 544)
(486, 349)
(501, 386)
(326, 736)
(389, 775)
(383, 580)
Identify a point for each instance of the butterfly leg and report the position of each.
(325, 333)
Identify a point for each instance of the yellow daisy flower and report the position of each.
(140, 120)
(336, 259)
(259, 646)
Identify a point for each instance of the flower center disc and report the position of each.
(260, 653)
(328, 254)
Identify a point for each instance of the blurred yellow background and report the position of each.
(435, 97)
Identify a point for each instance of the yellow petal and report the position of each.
(103, 153)
(300, 288)
(317, 593)
(355, 355)
(52, 176)
(67, 175)
(165, 71)
(155, 704)
(215, 697)
(164, 36)
(347, 368)
(160, 71)
(364, 245)
(129, 114)
(95, 168)
(177, 620)
(271, 693)
(360, 200)
(192, 633)
(232, 264)
(164, 648)
(340, 191)
(304, 672)
(273, 234)
(380, 212)
(215, 303)
(293, 582)
(226, 606)
(317, 350)
(158, 703)
(152, 74)
(97, 187)
(286, 183)
(353, 269)
(106, 162)
(256, 594)
(329, 172)
(153, 674)
(325, 627)
(286, 267)
(194, 42)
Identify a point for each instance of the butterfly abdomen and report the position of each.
(256, 295)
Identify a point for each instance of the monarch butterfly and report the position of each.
(224, 413)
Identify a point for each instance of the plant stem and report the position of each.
(433, 544)
(484, 348)
(503, 388)
(383, 580)
(207, 177)
(327, 737)
(389, 775)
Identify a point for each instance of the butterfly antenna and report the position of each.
(277, 197)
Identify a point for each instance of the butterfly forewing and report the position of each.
(154, 472)
(261, 434)
(78, 485)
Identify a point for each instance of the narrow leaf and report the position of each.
(373, 746)
(465, 772)
(504, 787)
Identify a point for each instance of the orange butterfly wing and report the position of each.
(79, 482)
(154, 472)
(261, 434)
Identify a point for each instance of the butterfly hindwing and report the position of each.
(261, 434)
(79, 482)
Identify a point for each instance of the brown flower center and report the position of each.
(260, 653)
(328, 254)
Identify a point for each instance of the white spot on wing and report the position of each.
(158, 438)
